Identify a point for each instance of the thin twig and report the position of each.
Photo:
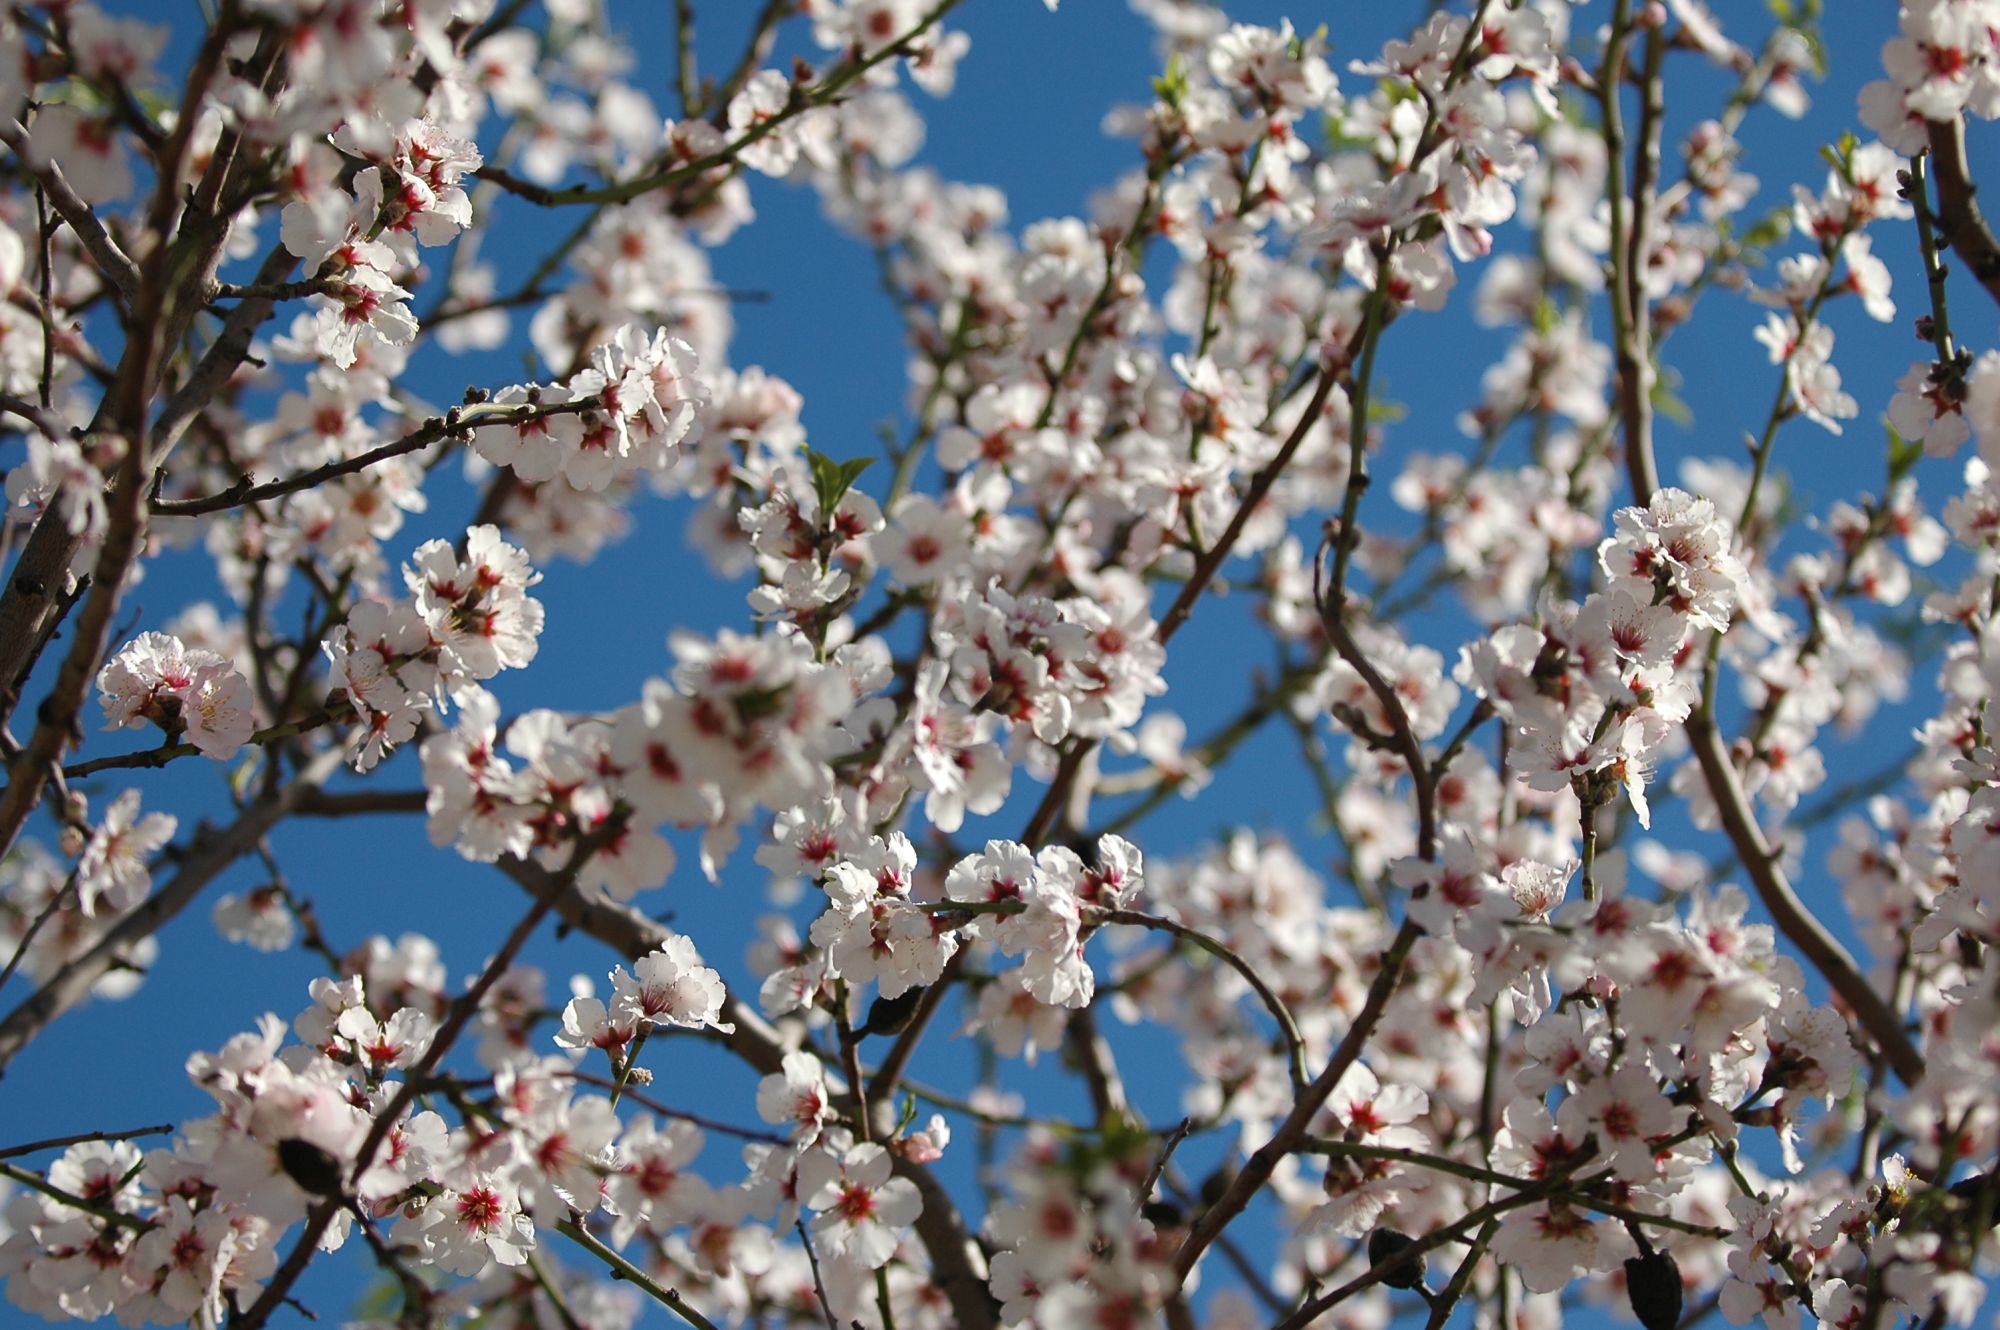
(83, 1138)
(819, 1284)
(112, 263)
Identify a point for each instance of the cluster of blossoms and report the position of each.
(1485, 1019)
(629, 412)
(467, 618)
(184, 690)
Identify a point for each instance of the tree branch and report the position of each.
(1797, 923)
(1960, 220)
(202, 862)
(111, 262)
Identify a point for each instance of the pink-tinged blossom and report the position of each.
(113, 869)
(587, 1023)
(653, 1188)
(1551, 1243)
(670, 986)
(184, 690)
(262, 919)
(480, 617)
(797, 1097)
(463, 1228)
(873, 930)
(364, 307)
(863, 1212)
(1677, 548)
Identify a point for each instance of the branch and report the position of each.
(803, 99)
(1294, 1042)
(95, 1209)
(83, 1138)
(1797, 923)
(224, 355)
(1296, 1128)
(1334, 617)
(958, 1266)
(111, 262)
(623, 1269)
(461, 1014)
(198, 866)
(1311, 1311)
(1631, 320)
(1960, 220)
(169, 752)
(452, 423)
(48, 422)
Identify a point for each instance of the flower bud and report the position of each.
(1653, 1283)
(315, 1170)
(1385, 1245)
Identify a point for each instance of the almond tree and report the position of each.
(1514, 1047)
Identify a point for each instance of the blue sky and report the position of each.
(1025, 117)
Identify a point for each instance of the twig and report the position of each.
(1257, 1170)
(165, 753)
(82, 1138)
(198, 866)
(819, 1284)
(623, 1269)
(1461, 1278)
(1179, 1134)
(111, 261)
(823, 93)
(957, 1264)
(1311, 1310)
(36, 1182)
(1295, 1044)
(461, 1014)
(48, 422)
(454, 423)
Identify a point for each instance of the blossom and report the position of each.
(672, 987)
(863, 1212)
(1678, 546)
(157, 678)
(1551, 1243)
(797, 1095)
(461, 1229)
(480, 617)
(113, 868)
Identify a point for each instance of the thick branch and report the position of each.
(1959, 217)
(223, 357)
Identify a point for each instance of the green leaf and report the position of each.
(1546, 315)
(1903, 455)
(1668, 404)
(1769, 230)
(831, 480)
(1172, 86)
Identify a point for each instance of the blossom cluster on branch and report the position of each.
(1571, 1012)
